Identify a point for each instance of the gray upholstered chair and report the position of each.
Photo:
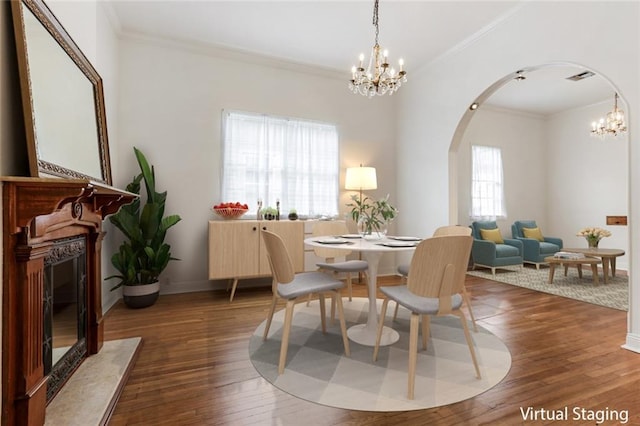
(442, 231)
(494, 253)
(289, 286)
(536, 246)
(348, 267)
(437, 272)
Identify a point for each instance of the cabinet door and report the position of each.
(234, 249)
(292, 233)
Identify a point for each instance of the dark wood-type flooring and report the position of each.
(194, 366)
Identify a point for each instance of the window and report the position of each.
(276, 158)
(487, 185)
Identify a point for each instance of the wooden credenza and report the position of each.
(236, 249)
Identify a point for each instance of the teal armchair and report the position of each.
(488, 254)
(534, 250)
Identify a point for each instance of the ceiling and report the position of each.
(331, 34)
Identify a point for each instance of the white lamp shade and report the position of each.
(361, 178)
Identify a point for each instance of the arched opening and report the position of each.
(569, 181)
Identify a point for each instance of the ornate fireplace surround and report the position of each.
(37, 212)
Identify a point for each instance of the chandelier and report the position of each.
(377, 78)
(613, 125)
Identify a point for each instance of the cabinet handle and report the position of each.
(255, 228)
(264, 228)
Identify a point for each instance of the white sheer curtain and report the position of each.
(276, 158)
(487, 185)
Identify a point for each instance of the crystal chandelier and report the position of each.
(377, 78)
(613, 125)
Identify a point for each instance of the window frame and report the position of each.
(498, 207)
(269, 199)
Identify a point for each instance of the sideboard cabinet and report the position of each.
(236, 249)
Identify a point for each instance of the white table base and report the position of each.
(362, 334)
(365, 334)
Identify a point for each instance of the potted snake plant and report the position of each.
(143, 255)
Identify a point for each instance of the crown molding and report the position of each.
(475, 37)
(230, 53)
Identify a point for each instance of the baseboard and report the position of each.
(175, 287)
(633, 343)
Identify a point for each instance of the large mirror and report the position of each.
(62, 99)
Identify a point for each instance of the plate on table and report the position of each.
(405, 238)
(351, 236)
(332, 240)
(399, 243)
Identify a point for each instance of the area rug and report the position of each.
(318, 371)
(615, 294)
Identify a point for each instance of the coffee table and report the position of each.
(608, 257)
(554, 261)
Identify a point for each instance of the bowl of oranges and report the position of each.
(230, 210)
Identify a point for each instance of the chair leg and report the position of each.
(343, 324)
(308, 299)
(333, 307)
(493, 271)
(413, 353)
(286, 328)
(467, 301)
(426, 320)
(272, 309)
(323, 313)
(467, 336)
(383, 312)
(349, 286)
(395, 312)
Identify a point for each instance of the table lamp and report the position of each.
(360, 179)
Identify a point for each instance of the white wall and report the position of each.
(588, 178)
(172, 97)
(521, 139)
(583, 33)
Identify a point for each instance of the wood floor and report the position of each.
(194, 367)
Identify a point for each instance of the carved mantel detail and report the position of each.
(37, 212)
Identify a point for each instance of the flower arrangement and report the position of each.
(372, 216)
(593, 235)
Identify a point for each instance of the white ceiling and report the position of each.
(331, 35)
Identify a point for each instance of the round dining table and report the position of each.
(372, 251)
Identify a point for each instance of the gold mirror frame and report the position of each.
(39, 165)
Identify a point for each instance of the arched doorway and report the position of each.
(561, 176)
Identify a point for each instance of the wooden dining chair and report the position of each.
(289, 286)
(433, 287)
(329, 254)
(403, 270)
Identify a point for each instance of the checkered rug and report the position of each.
(615, 294)
(318, 371)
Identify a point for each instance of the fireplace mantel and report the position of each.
(37, 212)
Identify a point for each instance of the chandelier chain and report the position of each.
(375, 19)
